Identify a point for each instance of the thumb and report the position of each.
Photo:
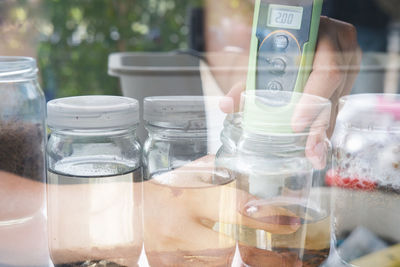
(233, 95)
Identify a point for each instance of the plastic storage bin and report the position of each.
(153, 74)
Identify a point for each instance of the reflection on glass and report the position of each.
(189, 221)
(366, 179)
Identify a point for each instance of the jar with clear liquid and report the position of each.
(283, 213)
(185, 198)
(94, 186)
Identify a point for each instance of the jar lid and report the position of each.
(181, 112)
(92, 112)
(370, 112)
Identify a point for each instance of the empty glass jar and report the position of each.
(366, 177)
(94, 181)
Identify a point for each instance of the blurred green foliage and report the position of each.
(75, 37)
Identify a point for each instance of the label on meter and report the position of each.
(282, 50)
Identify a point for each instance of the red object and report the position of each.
(391, 106)
(334, 179)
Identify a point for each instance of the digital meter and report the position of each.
(283, 42)
(282, 50)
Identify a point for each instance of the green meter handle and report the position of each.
(282, 50)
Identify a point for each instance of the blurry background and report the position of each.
(72, 38)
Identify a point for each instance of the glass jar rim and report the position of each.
(14, 68)
(284, 112)
(370, 112)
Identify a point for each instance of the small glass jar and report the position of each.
(366, 178)
(94, 181)
(283, 215)
(22, 152)
(189, 207)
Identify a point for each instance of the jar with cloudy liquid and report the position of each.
(283, 213)
(22, 153)
(94, 186)
(189, 206)
(366, 180)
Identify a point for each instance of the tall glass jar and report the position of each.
(366, 178)
(22, 146)
(22, 116)
(94, 181)
(283, 216)
(189, 207)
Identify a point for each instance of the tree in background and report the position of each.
(75, 37)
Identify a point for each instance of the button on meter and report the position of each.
(274, 86)
(278, 66)
(281, 42)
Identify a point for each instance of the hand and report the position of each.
(336, 65)
(82, 217)
(188, 221)
(23, 235)
(98, 221)
(193, 223)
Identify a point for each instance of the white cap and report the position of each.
(180, 112)
(92, 112)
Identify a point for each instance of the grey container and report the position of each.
(155, 74)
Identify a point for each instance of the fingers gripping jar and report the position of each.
(284, 216)
(94, 181)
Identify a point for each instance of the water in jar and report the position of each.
(99, 210)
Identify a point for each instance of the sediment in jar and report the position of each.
(22, 149)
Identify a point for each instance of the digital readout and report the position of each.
(286, 17)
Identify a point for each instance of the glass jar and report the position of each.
(22, 152)
(22, 116)
(366, 178)
(181, 129)
(230, 136)
(94, 181)
(283, 215)
(189, 207)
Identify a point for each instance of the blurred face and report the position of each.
(228, 26)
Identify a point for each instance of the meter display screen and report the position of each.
(285, 17)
